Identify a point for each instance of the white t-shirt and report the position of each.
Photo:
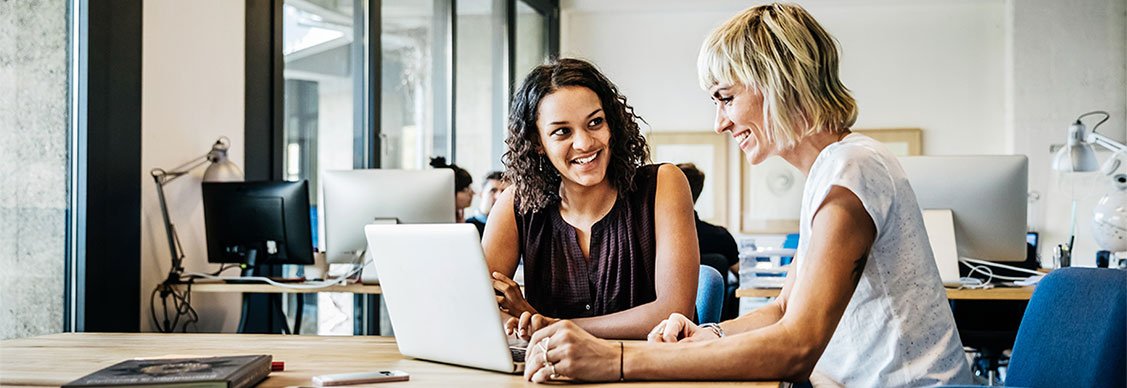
(897, 329)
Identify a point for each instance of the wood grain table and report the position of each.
(53, 360)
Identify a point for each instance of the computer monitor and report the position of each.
(355, 198)
(986, 194)
(258, 222)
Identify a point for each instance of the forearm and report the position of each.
(634, 323)
(761, 317)
(769, 353)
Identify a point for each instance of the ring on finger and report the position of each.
(552, 368)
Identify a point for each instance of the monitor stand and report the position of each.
(262, 313)
(255, 269)
(940, 225)
(368, 274)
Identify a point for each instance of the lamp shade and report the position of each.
(1077, 154)
(225, 171)
(1076, 158)
(221, 168)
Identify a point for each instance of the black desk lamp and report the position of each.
(219, 169)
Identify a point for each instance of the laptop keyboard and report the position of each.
(518, 353)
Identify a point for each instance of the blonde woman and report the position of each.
(863, 305)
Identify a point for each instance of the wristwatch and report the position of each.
(716, 329)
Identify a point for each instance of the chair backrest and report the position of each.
(1073, 331)
(790, 242)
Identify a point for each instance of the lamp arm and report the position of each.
(1118, 150)
(1106, 142)
(169, 230)
(162, 177)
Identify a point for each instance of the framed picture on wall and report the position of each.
(709, 152)
(770, 197)
(901, 141)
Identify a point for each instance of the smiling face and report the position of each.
(574, 135)
(739, 112)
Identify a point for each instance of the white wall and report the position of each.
(931, 65)
(191, 94)
(979, 77)
(1068, 58)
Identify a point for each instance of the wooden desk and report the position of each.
(57, 359)
(996, 293)
(371, 311)
(212, 286)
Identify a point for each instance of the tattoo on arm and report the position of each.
(859, 268)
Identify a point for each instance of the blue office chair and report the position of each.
(710, 295)
(1073, 332)
(790, 242)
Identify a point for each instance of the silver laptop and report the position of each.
(440, 296)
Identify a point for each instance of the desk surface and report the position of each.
(996, 293)
(212, 286)
(59, 358)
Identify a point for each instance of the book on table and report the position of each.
(222, 371)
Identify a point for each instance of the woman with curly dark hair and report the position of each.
(606, 241)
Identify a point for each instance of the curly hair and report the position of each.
(536, 180)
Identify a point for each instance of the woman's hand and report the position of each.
(563, 351)
(528, 323)
(511, 300)
(678, 328)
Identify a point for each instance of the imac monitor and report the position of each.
(986, 194)
(258, 222)
(355, 198)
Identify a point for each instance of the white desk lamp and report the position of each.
(220, 169)
(1078, 155)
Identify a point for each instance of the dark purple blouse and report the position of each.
(619, 275)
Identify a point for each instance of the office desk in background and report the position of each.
(370, 313)
(996, 293)
(354, 288)
(54, 360)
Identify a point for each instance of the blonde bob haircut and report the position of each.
(782, 52)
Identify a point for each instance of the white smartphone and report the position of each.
(360, 378)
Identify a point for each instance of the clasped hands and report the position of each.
(560, 349)
(563, 350)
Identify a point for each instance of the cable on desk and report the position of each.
(340, 280)
(981, 266)
(181, 302)
(999, 265)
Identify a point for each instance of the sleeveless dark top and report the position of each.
(560, 283)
